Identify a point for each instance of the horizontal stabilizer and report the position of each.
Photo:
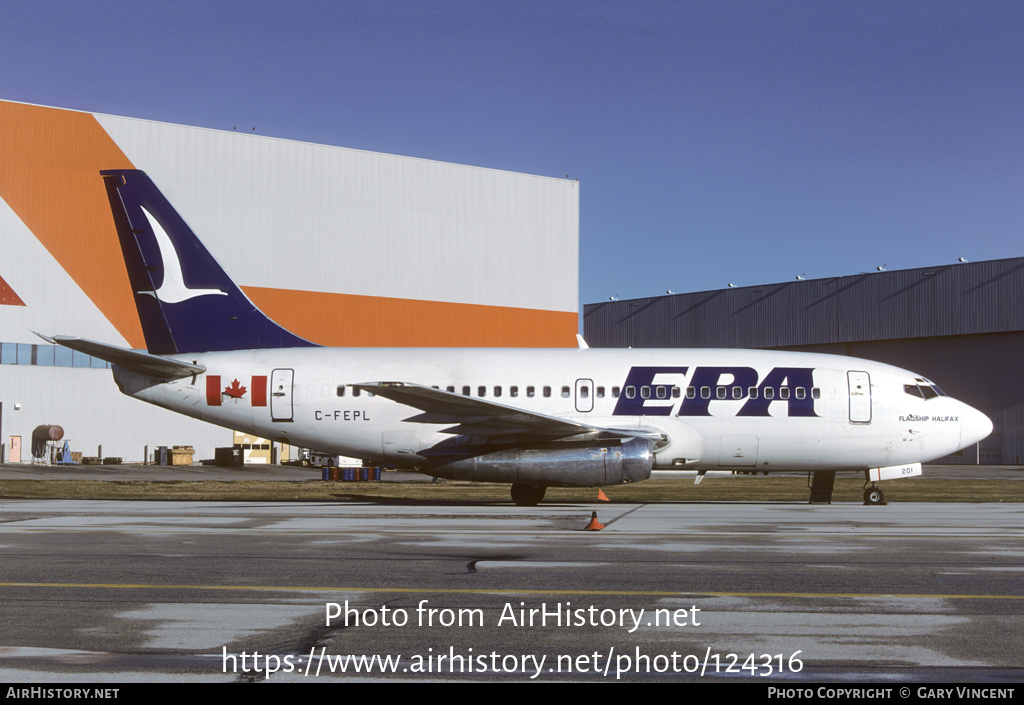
(134, 360)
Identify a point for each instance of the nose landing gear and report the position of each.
(873, 495)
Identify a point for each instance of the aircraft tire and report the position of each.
(527, 495)
(873, 495)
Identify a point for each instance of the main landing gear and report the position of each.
(873, 495)
(527, 495)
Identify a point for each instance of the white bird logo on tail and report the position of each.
(172, 290)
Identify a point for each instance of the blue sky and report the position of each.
(714, 142)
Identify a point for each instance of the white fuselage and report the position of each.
(714, 408)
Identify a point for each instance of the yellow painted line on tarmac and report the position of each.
(510, 591)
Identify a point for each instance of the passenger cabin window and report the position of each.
(584, 392)
(466, 390)
(450, 388)
(547, 392)
(752, 392)
(737, 392)
(645, 392)
(630, 392)
(720, 392)
(784, 393)
(615, 392)
(769, 393)
(676, 392)
(801, 393)
(481, 391)
(705, 392)
(691, 393)
(600, 392)
(341, 390)
(355, 391)
(513, 391)
(530, 391)
(565, 392)
(815, 393)
(497, 391)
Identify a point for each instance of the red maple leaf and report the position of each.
(235, 391)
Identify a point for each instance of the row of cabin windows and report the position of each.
(481, 391)
(355, 392)
(646, 392)
(662, 392)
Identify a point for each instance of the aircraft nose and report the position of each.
(974, 425)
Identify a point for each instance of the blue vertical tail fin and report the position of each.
(186, 301)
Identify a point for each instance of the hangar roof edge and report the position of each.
(963, 298)
(839, 277)
(294, 141)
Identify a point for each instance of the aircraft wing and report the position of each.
(472, 416)
(134, 360)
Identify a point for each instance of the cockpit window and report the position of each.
(924, 389)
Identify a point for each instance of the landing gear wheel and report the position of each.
(527, 495)
(873, 495)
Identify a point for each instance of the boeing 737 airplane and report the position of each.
(530, 418)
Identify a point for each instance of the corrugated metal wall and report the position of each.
(342, 246)
(960, 325)
(960, 299)
(87, 405)
(285, 214)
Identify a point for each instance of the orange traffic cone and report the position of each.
(601, 496)
(594, 524)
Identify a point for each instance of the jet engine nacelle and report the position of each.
(589, 466)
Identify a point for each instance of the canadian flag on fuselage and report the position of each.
(215, 391)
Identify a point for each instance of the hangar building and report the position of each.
(343, 247)
(960, 325)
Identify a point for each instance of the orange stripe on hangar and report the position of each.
(7, 295)
(348, 320)
(51, 160)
